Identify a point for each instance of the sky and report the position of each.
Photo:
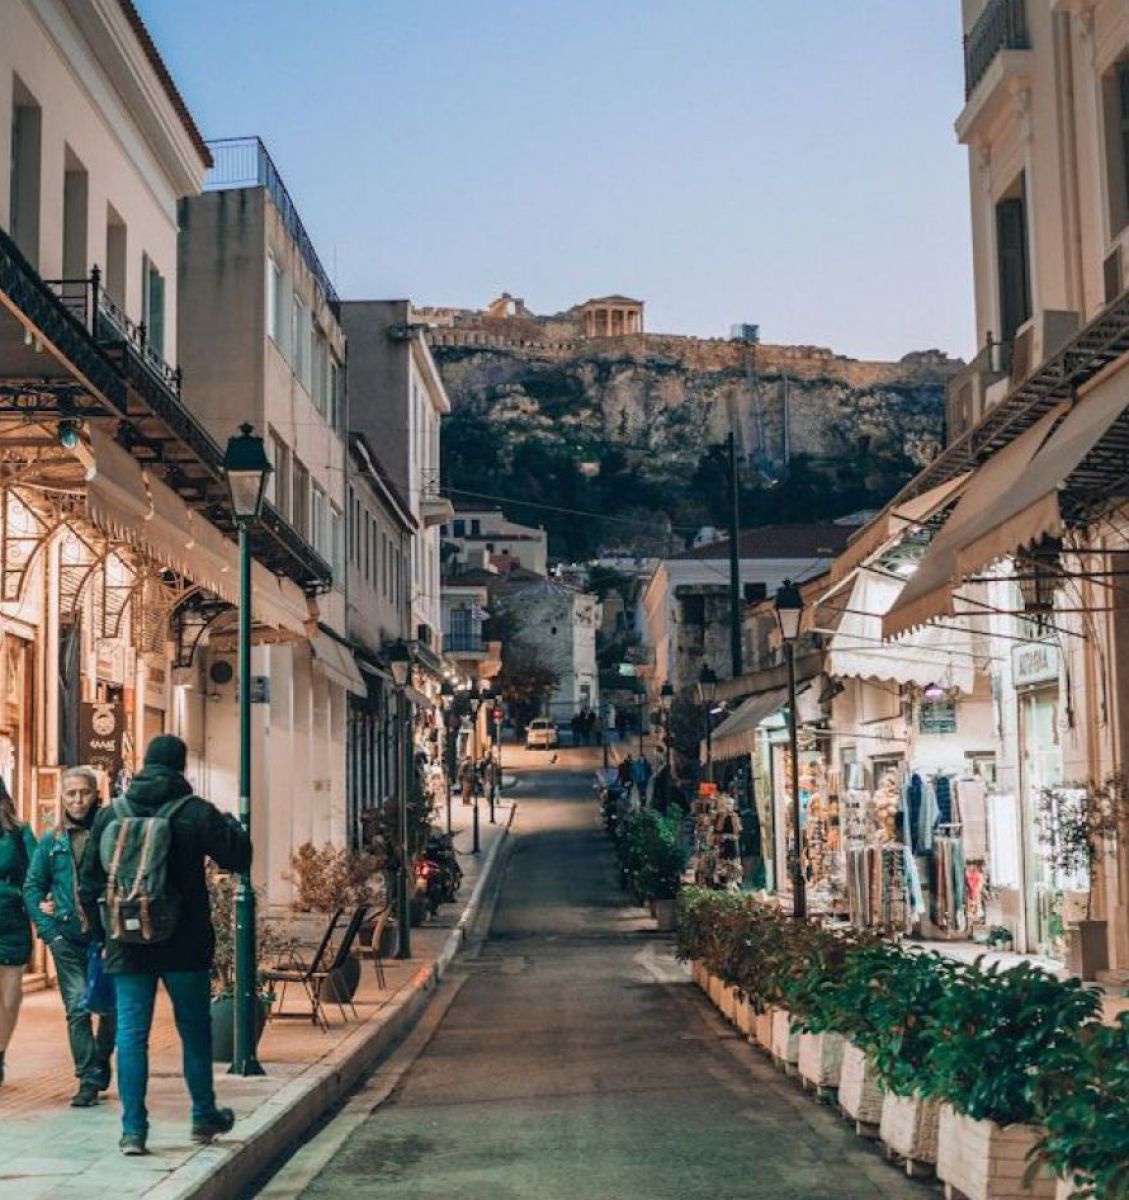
(786, 164)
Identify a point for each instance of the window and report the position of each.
(74, 219)
(278, 481)
(475, 527)
(384, 564)
(368, 544)
(320, 370)
(460, 529)
(275, 326)
(337, 544)
(1012, 260)
(26, 152)
(301, 511)
(153, 305)
(114, 279)
(755, 592)
(300, 342)
(336, 395)
(319, 519)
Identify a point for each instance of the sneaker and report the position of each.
(86, 1096)
(221, 1121)
(103, 1081)
(132, 1145)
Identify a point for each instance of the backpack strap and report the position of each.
(122, 806)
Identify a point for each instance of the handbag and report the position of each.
(99, 996)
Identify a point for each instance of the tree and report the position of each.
(526, 679)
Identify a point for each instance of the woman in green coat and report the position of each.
(16, 848)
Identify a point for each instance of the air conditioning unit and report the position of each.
(1113, 275)
(1040, 339)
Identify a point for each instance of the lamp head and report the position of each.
(789, 611)
(247, 468)
(400, 662)
(707, 684)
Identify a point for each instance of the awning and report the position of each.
(1031, 509)
(925, 656)
(890, 524)
(736, 734)
(337, 664)
(929, 592)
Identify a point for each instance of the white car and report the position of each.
(541, 734)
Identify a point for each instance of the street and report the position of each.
(576, 1059)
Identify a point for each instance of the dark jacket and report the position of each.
(199, 831)
(52, 873)
(16, 850)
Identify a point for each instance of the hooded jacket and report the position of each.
(199, 832)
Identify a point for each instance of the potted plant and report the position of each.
(221, 893)
(1083, 1102)
(654, 862)
(990, 1036)
(1000, 938)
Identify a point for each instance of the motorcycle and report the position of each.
(436, 872)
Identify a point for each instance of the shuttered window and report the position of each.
(1013, 264)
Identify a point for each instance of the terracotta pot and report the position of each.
(909, 1127)
(986, 1161)
(860, 1092)
(785, 1039)
(762, 1028)
(821, 1058)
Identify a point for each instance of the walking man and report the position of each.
(51, 895)
(181, 961)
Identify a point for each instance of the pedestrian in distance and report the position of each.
(466, 779)
(51, 895)
(161, 932)
(17, 845)
(590, 727)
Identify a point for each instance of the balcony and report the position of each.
(966, 392)
(246, 163)
(465, 644)
(1001, 26)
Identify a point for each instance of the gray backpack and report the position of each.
(139, 906)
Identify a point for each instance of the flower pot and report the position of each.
(785, 1039)
(742, 1013)
(909, 1127)
(666, 916)
(821, 1058)
(762, 1029)
(986, 1161)
(223, 1026)
(860, 1092)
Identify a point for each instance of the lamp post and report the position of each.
(789, 614)
(400, 661)
(666, 701)
(707, 690)
(475, 704)
(447, 700)
(494, 715)
(247, 469)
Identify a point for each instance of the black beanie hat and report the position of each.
(167, 750)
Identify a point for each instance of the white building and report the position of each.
(486, 530)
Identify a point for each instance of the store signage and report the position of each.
(1035, 663)
(101, 729)
(937, 716)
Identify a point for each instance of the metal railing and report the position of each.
(246, 163)
(1001, 26)
(464, 643)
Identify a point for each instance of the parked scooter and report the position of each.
(437, 874)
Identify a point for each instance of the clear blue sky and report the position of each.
(789, 164)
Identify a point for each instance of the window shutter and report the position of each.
(1014, 280)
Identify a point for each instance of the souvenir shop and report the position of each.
(715, 859)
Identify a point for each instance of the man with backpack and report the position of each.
(51, 895)
(147, 889)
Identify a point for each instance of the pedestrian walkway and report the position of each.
(49, 1151)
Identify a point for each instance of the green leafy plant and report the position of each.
(991, 1033)
(654, 856)
(999, 935)
(1083, 1102)
(221, 896)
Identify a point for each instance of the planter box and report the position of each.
(785, 1039)
(729, 1002)
(698, 973)
(860, 1093)
(909, 1127)
(742, 1014)
(713, 990)
(821, 1058)
(986, 1161)
(762, 1029)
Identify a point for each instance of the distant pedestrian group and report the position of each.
(119, 896)
(584, 727)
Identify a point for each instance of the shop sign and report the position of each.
(937, 716)
(109, 660)
(1034, 664)
(101, 729)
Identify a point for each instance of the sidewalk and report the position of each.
(49, 1151)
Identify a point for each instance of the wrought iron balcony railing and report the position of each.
(464, 643)
(1001, 26)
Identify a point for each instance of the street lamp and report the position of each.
(789, 615)
(475, 704)
(400, 662)
(707, 690)
(247, 469)
(666, 702)
(447, 700)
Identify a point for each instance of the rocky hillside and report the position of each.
(628, 428)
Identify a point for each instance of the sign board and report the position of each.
(1034, 664)
(101, 731)
(937, 716)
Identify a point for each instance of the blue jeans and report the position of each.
(190, 993)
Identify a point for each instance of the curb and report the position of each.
(223, 1170)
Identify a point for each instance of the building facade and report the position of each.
(485, 530)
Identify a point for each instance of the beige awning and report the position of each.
(930, 655)
(736, 734)
(1026, 512)
(337, 664)
(929, 592)
(890, 524)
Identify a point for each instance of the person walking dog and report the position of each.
(17, 845)
(51, 894)
(147, 890)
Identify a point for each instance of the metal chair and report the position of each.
(338, 990)
(309, 976)
(377, 936)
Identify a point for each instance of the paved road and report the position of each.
(575, 1062)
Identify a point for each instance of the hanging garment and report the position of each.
(926, 819)
(973, 798)
(943, 787)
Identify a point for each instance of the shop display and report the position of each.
(716, 858)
